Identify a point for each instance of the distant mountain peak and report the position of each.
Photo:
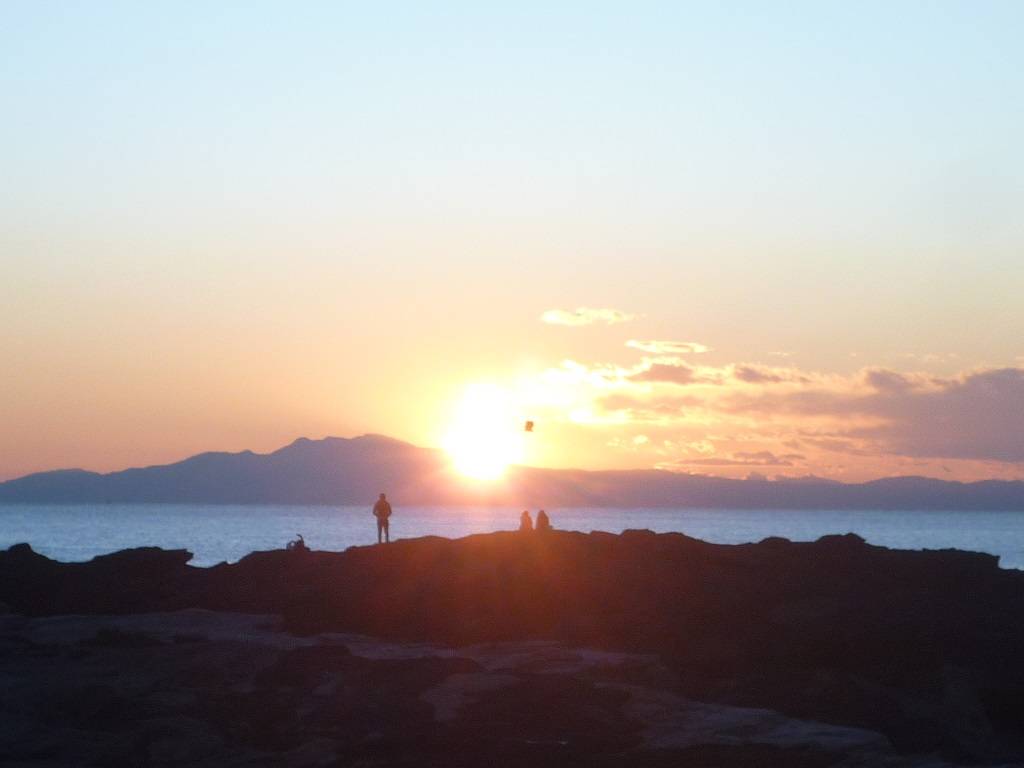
(368, 438)
(374, 437)
(353, 470)
(808, 479)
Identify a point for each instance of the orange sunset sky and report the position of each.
(721, 240)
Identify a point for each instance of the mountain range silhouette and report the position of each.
(341, 471)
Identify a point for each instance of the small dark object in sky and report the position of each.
(529, 426)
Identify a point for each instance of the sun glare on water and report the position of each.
(486, 435)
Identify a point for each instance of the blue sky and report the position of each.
(816, 118)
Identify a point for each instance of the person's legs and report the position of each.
(387, 531)
(380, 528)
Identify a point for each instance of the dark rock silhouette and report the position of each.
(923, 647)
(352, 471)
(132, 690)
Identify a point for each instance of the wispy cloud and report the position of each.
(656, 347)
(669, 374)
(931, 357)
(747, 459)
(585, 316)
(760, 374)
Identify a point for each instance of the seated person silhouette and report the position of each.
(525, 523)
(543, 521)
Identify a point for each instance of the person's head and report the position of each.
(382, 497)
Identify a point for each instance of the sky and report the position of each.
(724, 238)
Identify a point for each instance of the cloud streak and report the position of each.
(667, 374)
(655, 347)
(585, 316)
(747, 459)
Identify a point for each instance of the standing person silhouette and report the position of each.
(382, 511)
(525, 523)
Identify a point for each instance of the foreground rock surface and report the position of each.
(827, 653)
(201, 688)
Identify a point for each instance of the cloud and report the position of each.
(931, 357)
(975, 416)
(747, 459)
(759, 374)
(672, 370)
(837, 446)
(585, 316)
(887, 381)
(867, 424)
(643, 410)
(979, 415)
(668, 347)
(752, 375)
(667, 374)
(703, 447)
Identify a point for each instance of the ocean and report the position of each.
(216, 533)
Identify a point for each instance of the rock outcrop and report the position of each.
(920, 649)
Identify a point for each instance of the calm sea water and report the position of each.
(217, 532)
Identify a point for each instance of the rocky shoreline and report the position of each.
(507, 649)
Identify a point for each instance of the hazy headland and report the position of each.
(353, 471)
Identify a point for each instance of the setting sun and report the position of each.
(486, 435)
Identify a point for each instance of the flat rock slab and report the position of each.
(205, 688)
